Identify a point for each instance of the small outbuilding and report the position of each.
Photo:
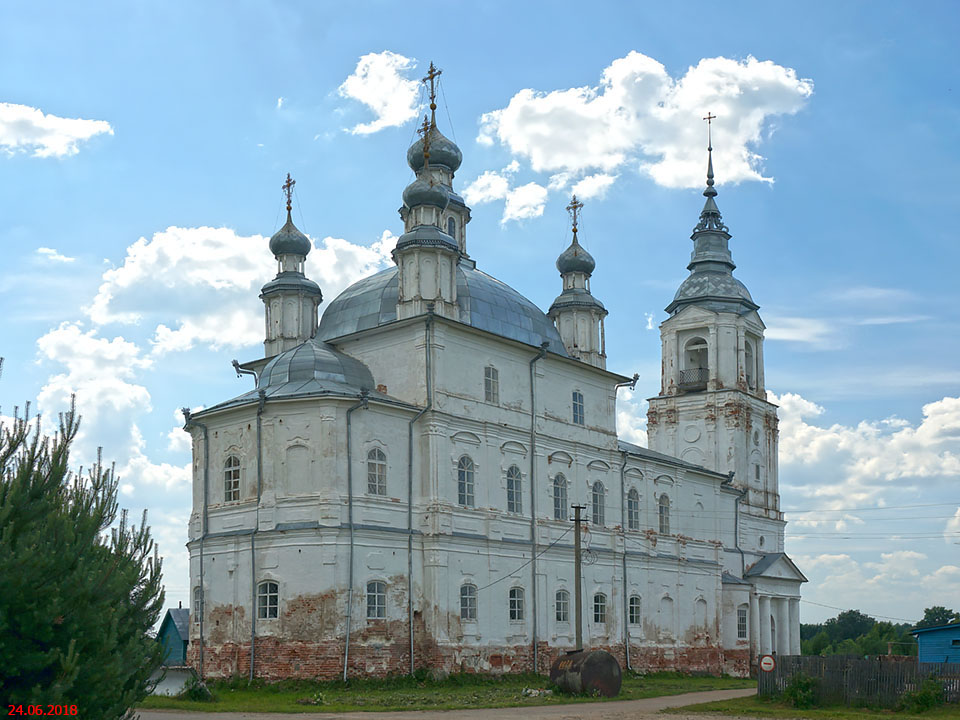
(174, 635)
(940, 644)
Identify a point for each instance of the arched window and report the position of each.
(468, 602)
(577, 407)
(559, 497)
(599, 608)
(597, 503)
(465, 481)
(268, 600)
(452, 228)
(376, 600)
(750, 360)
(742, 614)
(633, 610)
(700, 613)
(664, 510)
(491, 384)
(633, 509)
(514, 502)
(231, 479)
(197, 611)
(666, 616)
(376, 472)
(563, 606)
(516, 603)
(694, 368)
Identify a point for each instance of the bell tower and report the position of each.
(712, 408)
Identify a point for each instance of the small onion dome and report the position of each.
(421, 192)
(575, 259)
(289, 241)
(443, 151)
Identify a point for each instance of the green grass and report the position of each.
(762, 708)
(405, 693)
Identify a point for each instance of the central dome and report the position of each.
(443, 151)
(485, 303)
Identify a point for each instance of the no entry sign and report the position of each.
(768, 663)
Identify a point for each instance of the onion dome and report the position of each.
(443, 151)
(289, 241)
(421, 192)
(575, 259)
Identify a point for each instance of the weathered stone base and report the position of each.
(277, 659)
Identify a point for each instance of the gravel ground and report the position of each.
(626, 710)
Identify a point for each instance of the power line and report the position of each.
(515, 571)
(876, 615)
(865, 509)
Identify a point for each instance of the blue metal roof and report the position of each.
(485, 303)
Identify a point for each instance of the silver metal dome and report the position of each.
(443, 151)
(421, 192)
(576, 259)
(314, 367)
(485, 303)
(289, 241)
(718, 291)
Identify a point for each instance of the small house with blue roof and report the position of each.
(940, 644)
(174, 635)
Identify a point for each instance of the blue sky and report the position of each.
(142, 148)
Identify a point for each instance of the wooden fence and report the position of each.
(855, 681)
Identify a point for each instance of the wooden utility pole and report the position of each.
(577, 578)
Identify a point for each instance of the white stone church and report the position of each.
(396, 492)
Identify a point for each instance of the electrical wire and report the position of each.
(514, 572)
(875, 615)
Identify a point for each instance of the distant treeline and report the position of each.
(853, 633)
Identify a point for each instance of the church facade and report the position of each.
(397, 491)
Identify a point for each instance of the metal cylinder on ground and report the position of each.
(587, 671)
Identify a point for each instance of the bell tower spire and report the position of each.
(712, 408)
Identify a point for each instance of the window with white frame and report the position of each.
(197, 611)
(516, 604)
(664, 511)
(465, 473)
(231, 479)
(633, 509)
(376, 472)
(599, 608)
(560, 511)
(577, 407)
(633, 610)
(468, 602)
(514, 502)
(596, 496)
(268, 600)
(562, 601)
(491, 384)
(742, 622)
(376, 600)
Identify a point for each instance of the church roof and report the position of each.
(485, 303)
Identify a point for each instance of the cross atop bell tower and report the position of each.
(287, 188)
(432, 75)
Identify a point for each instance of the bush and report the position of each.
(928, 695)
(195, 689)
(801, 691)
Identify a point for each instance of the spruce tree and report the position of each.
(79, 586)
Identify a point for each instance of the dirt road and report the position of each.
(626, 710)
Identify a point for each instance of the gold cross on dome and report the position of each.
(432, 74)
(574, 209)
(710, 118)
(288, 190)
(424, 130)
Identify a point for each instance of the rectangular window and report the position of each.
(268, 600)
(756, 471)
(376, 600)
(563, 606)
(599, 608)
(634, 610)
(468, 602)
(231, 479)
(577, 407)
(742, 623)
(516, 604)
(514, 501)
(491, 385)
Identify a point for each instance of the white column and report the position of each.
(765, 636)
(794, 626)
(783, 626)
(754, 625)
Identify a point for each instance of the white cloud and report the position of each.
(490, 186)
(280, 102)
(525, 201)
(24, 128)
(379, 82)
(193, 283)
(51, 254)
(593, 186)
(639, 114)
(812, 331)
(951, 533)
(649, 317)
(631, 417)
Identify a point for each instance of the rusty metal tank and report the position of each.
(587, 671)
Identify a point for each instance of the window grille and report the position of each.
(465, 473)
(376, 472)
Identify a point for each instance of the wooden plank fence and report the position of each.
(845, 680)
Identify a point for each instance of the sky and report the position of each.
(143, 146)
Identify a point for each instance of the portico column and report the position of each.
(783, 627)
(765, 637)
(794, 626)
(754, 625)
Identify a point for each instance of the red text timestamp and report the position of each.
(38, 710)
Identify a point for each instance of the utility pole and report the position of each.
(577, 579)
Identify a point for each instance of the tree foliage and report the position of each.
(853, 633)
(80, 586)
(938, 615)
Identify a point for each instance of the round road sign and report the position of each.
(767, 663)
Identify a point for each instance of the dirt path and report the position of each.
(626, 710)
